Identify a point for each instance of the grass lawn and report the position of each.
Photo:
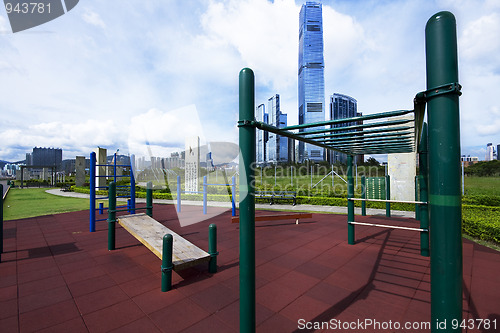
(482, 185)
(31, 202)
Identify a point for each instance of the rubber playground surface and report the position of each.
(56, 276)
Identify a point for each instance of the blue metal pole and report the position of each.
(178, 194)
(204, 194)
(92, 191)
(233, 193)
(101, 208)
(132, 189)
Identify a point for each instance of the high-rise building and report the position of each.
(341, 107)
(311, 92)
(277, 145)
(490, 151)
(46, 157)
(262, 136)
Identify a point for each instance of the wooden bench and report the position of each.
(288, 216)
(150, 233)
(278, 195)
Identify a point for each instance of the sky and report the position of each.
(140, 76)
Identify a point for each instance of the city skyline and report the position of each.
(113, 74)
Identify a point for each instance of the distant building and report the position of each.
(261, 136)
(468, 160)
(490, 152)
(311, 78)
(277, 145)
(341, 107)
(46, 157)
(498, 152)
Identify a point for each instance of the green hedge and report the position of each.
(481, 222)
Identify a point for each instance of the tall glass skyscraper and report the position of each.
(311, 74)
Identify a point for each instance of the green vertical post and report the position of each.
(350, 203)
(212, 248)
(149, 199)
(166, 262)
(247, 200)
(417, 198)
(1, 221)
(388, 195)
(111, 215)
(444, 169)
(363, 195)
(424, 196)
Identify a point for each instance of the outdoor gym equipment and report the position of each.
(130, 195)
(205, 194)
(381, 133)
(175, 252)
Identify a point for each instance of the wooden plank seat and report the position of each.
(275, 217)
(150, 233)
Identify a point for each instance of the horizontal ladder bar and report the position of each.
(388, 226)
(383, 200)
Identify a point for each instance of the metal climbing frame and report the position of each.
(93, 189)
(400, 131)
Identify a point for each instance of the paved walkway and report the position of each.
(283, 207)
(55, 276)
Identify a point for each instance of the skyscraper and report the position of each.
(341, 107)
(311, 74)
(262, 136)
(277, 146)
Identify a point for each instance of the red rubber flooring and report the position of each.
(55, 276)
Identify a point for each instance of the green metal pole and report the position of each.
(166, 263)
(424, 196)
(417, 197)
(350, 203)
(388, 195)
(149, 199)
(212, 248)
(111, 215)
(363, 195)
(247, 200)
(444, 170)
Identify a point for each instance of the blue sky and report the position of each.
(116, 73)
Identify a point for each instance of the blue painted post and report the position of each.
(204, 194)
(92, 192)
(166, 263)
(129, 206)
(114, 168)
(132, 190)
(178, 194)
(101, 208)
(233, 193)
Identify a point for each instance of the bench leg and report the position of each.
(166, 263)
(212, 248)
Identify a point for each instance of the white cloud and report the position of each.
(93, 18)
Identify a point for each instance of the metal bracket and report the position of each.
(166, 269)
(243, 123)
(214, 254)
(449, 88)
